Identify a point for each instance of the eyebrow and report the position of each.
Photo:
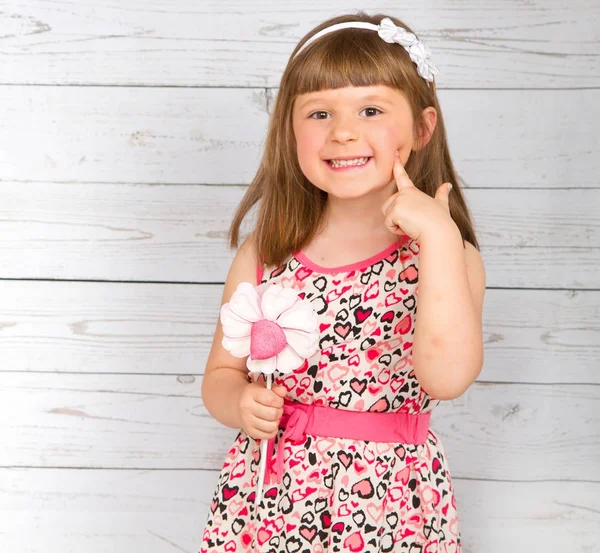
(368, 98)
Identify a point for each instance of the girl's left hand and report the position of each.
(410, 211)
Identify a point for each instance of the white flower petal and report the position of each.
(244, 302)
(260, 289)
(276, 300)
(265, 366)
(301, 316)
(238, 347)
(288, 360)
(233, 325)
(304, 344)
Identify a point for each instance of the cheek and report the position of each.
(305, 144)
(308, 149)
(393, 138)
(306, 138)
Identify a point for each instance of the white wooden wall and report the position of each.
(129, 130)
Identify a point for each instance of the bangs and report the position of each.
(354, 57)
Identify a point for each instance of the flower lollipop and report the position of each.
(275, 328)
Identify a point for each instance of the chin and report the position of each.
(352, 190)
(347, 194)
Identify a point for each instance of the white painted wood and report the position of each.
(538, 336)
(507, 139)
(211, 43)
(530, 238)
(522, 432)
(135, 135)
(165, 511)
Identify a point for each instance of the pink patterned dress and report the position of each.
(340, 494)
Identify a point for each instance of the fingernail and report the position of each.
(449, 186)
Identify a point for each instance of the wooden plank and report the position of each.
(178, 233)
(494, 431)
(165, 512)
(183, 43)
(498, 138)
(133, 135)
(539, 336)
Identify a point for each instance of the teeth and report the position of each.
(348, 162)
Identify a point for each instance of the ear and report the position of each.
(429, 121)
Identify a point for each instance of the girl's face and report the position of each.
(346, 138)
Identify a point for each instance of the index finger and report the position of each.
(400, 174)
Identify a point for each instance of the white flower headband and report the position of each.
(389, 32)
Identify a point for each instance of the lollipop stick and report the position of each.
(263, 460)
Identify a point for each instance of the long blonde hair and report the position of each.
(291, 209)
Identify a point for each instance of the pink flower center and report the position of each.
(266, 339)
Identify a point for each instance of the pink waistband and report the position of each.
(300, 419)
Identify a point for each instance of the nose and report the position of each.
(344, 129)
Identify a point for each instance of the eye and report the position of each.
(318, 113)
(371, 110)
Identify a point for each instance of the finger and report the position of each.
(257, 435)
(388, 203)
(391, 226)
(400, 175)
(269, 398)
(280, 390)
(263, 425)
(442, 194)
(268, 413)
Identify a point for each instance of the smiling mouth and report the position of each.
(342, 163)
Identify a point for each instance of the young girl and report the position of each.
(355, 213)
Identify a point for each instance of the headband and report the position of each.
(391, 33)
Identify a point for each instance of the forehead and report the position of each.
(352, 94)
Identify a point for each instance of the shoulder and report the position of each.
(476, 274)
(248, 250)
(243, 267)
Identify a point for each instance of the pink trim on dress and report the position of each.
(301, 256)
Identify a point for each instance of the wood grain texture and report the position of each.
(516, 44)
(512, 432)
(164, 512)
(538, 336)
(499, 138)
(137, 135)
(530, 238)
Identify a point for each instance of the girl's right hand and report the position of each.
(260, 409)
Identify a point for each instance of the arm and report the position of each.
(448, 342)
(226, 376)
